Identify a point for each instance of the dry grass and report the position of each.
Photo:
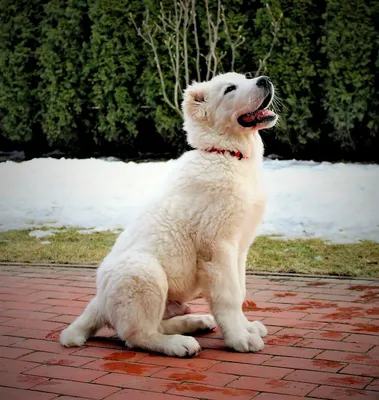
(311, 256)
(66, 247)
(314, 256)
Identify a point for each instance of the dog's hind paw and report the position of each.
(70, 337)
(205, 322)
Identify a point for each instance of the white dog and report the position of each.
(195, 236)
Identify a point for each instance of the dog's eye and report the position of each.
(230, 89)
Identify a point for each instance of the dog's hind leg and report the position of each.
(188, 323)
(144, 289)
(83, 327)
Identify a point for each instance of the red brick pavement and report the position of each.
(323, 343)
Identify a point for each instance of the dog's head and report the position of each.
(228, 105)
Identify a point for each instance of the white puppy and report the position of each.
(195, 235)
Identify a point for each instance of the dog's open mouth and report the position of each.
(260, 116)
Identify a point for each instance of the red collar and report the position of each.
(235, 154)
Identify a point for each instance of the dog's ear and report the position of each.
(195, 101)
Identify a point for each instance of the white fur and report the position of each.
(193, 237)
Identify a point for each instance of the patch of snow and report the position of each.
(290, 250)
(40, 234)
(336, 202)
(110, 158)
(92, 230)
(45, 242)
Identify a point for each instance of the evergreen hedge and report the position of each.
(76, 76)
(19, 42)
(63, 77)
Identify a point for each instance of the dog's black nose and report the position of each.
(263, 81)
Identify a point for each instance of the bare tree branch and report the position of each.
(215, 39)
(178, 22)
(233, 44)
(173, 29)
(276, 24)
(148, 38)
(208, 57)
(186, 19)
(193, 4)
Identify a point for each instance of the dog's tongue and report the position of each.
(255, 115)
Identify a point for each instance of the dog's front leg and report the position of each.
(251, 326)
(242, 258)
(221, 283)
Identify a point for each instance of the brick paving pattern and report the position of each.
(323, 343)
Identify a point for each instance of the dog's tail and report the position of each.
(84, 326)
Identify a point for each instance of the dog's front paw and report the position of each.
(256, 327)
(245, 341)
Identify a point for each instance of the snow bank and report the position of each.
(338, 202)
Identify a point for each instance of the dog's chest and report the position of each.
(236, 210)
(249, 208)
(253, 200)
(252, 217)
